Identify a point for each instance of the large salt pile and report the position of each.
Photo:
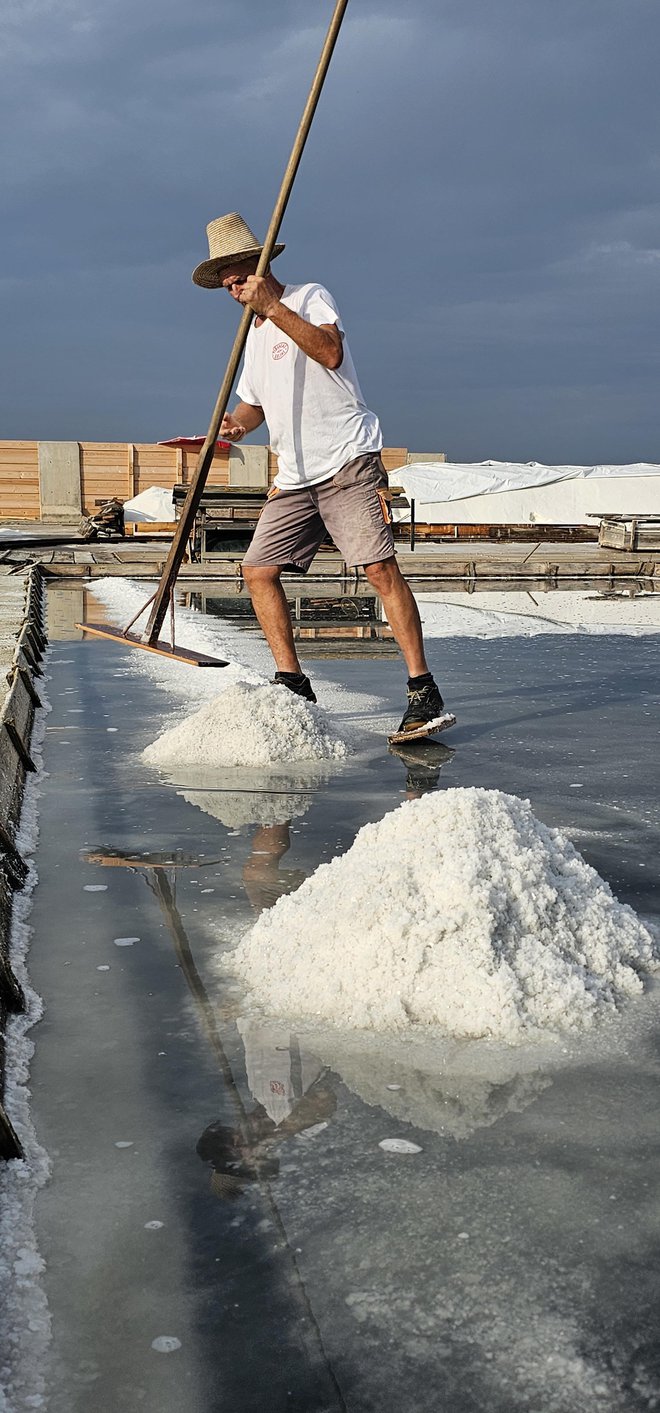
(249, 725)
(459, 910)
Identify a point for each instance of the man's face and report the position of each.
(235, 276)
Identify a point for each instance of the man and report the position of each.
(299, 377)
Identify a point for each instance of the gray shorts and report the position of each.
(352, 507)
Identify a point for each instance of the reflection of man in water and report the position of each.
(285, 1085)
(423, 761)
(290, 1094)
(263, 879)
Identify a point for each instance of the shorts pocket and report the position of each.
(385, 498)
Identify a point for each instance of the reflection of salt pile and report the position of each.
(434, 1091)
(237, 797)
(459, 910)
(236, 810)
(248, 725)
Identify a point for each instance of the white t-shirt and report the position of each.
(278, 1072)
(317, 417)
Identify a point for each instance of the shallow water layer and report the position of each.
(218, 1179)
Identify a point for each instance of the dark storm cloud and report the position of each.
(480, 191)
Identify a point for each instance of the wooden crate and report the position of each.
(630, 532)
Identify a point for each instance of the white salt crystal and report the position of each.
(399, 1145)
(312, 1131)
(166, 1344)
(459, 910)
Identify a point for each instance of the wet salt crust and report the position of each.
(460, 911)
(249, 725)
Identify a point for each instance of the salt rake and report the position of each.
(122, 635)
(163, 597)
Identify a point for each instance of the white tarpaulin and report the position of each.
(508, 493)
(153, 506)
(425, 482)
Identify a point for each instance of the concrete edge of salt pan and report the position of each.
(249, 725)
(460, 911)
(25, 1326)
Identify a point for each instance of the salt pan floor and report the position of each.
(508, 1261)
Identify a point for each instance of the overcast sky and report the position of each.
(479, 192)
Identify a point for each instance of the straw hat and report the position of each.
(230, 240)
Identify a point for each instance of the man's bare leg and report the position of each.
(402, 612)
(272, 610)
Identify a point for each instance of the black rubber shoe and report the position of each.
(301, 685)
(424, 704)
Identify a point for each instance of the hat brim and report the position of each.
(209, 273)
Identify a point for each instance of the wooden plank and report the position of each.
(101, 446)
(105, 483)
(105, 455)
(156, 455)
(20, 509)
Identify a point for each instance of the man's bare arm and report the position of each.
(322, 342)
(244, 419)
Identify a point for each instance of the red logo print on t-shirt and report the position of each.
(279, 350)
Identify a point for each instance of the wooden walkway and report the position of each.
(464, 561)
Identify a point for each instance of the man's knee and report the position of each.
(257, 576)
(383, 575)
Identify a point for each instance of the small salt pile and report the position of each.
(459, 910)
(249, 725)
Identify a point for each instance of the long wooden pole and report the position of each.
(205, 458)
